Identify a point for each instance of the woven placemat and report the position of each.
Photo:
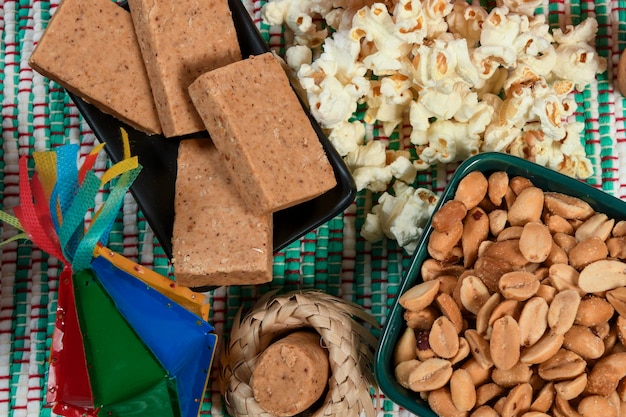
(38, 115)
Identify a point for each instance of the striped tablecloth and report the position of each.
(38, 115)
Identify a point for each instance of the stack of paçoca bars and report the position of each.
(174, 68)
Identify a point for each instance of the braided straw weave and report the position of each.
(349, 342)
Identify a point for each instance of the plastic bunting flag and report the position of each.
(127, 341)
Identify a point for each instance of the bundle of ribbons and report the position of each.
(127, 341)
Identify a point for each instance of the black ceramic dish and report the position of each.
(154, 188)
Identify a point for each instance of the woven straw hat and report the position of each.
(344, 328)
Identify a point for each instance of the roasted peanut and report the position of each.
(603, 275)
(449, 216)
(575, 223)
(487, 205)
(518, 401)
(443, 338)
(430, 375)
(456, 293)
(565, 241)
(479, 347)
(558, 225)
(544, 349)
(541, 272)
(536, 382)
(617, 298)
(593, 311)
(596, 405)
(611, 344)
(547, 292)
(564, 277)
(463, 352)
(509, 307)
(587, 251)
(518, 285)
(405, 348)
(499, 405)
(447, 283)
(518, 374)
(450, 309)
(441, 244)
(487, 392)
(485, 411)
(440, 401)
(562, 311)
(475, 231)
(533, 321)
(420, 319)
(462, 390)
(563, 408)
(424, 353)
(620, 328)
(519, 184)
(620, 229)
(490, 269)
(570, 389)
(509, 197)
(497, 221)
(527, 207)
(544, 399)
(480, 374)
(606, 374)
(420, 296)
(484, 245)
(504, 345)
(602, 331)
(535, 414)
(472, 189)
(562, 366)
(508, 251)
(403, 371)
(567, 206)
(520, 318)
(535, 242)
(486, 311)
(498, 183)
(556, 256)
(598, 225)
(474, 294)
(432, 268)
(621, 391)
(617, 247)
(510, 233)
(581, 340)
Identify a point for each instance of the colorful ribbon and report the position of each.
(53, 205)
(127, 341)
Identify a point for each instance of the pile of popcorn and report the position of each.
(466, 79)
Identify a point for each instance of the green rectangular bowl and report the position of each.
(542, 177)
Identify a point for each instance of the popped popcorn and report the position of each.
(372, 154)
(373, 178)
(454, 78)
(403, 169)
(299, 17)
(401, 216)
(335, 81)
(347, 136)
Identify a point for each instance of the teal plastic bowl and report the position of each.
(542, 177)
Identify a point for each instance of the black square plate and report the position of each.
(154, 188)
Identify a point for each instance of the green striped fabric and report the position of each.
(38, 115)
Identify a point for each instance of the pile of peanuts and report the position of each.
(522, 308)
